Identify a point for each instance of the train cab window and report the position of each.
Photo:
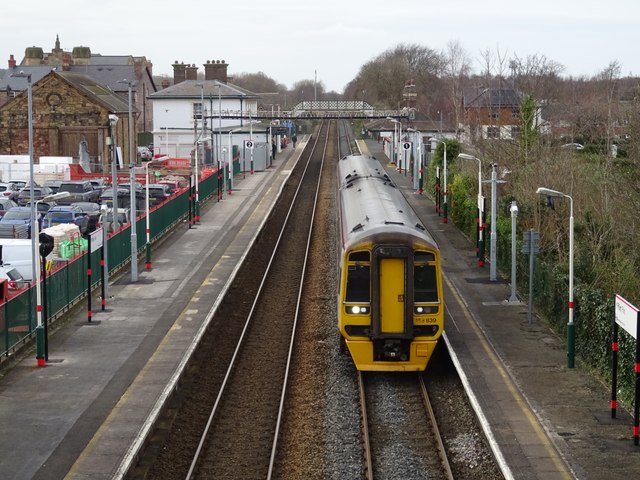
(358, 284)
(425, 283)
(359, 257)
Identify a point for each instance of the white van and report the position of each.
(16, 253)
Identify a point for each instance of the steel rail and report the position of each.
(442, 453)
(296, 315)
(221, 392)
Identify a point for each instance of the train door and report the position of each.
(392, 293)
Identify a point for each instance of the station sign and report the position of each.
(279, 130)
(249, 144)
(406, 145)
(626, 316)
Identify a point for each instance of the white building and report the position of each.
(178, 112)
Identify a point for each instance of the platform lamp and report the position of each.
(571, 328)
(42, 347)
(22, 74)
(480, 240)
(132, 193)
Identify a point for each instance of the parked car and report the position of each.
(20, 216)
(106, 219)
(14, 278)
(66, 214)
(39, 193)
(21, 183)
(6, 204)
(99, 184)
(79, 191)
(9, 190)
(93, 212)
(145, 153)
(43, 207)
(174, 186)
(54, 185)
(158, 193)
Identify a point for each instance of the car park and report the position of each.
(20, 216)
(39, 193)
(66, 214)
(6, 204)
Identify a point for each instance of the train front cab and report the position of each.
(391, 316)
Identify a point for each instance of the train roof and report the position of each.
(372, 208)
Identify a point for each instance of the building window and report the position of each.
(515, 131)
(197, 110)
(493, 132)
(515, 113)
(493, 113)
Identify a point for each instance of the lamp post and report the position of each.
(571, 332)
(197, 205)
(396, 140)
(41, 330)
(231, 132)
(480, 243)
(514, 215)
(34, 251)
(148, 227)
(220, 184)
(445, 207)
(132, 193)
(113, 120)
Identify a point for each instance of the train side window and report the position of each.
(358, 284)
(425, 283)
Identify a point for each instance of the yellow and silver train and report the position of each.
(390, 306)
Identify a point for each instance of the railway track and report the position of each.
(408, 443)
(240, 438)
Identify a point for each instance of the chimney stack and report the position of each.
(179, 72)
(12, 61)
(192, 72)
(216, 70)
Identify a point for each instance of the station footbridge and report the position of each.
(321, 110)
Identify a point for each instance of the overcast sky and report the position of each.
(291, 40)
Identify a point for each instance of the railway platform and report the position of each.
(545, 420)
(83, 415)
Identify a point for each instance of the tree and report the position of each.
(528, 128)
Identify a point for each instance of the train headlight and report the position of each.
(425, 309)
(356, 309)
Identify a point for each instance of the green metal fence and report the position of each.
(67, 284)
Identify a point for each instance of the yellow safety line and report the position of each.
(533, 420)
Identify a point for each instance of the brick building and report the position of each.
(107, 70)
(68, 108)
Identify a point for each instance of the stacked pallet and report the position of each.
(63, 234)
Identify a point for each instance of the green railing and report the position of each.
(67, 284)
